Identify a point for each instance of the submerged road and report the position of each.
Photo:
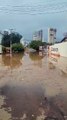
(33, 87)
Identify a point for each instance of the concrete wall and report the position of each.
(59, 62)
(59, 49)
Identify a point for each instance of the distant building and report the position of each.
(22, 41)
(52, 35)
(38, 35)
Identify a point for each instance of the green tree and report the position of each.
(17, 47)
(13, 37)
(35, 44)
(5, 41)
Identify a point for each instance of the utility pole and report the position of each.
(11, 30)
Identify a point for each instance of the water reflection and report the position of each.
(22, 101)
(30, 103)
(12, 61)
(36, 58)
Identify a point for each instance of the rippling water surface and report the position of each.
(33, 87)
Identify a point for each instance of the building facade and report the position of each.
(38, 35)
(52, 35)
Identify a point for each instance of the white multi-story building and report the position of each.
(38, 35)
(52, 35)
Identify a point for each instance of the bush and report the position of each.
(17, 47)
(35, 44)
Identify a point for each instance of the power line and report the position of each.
(35, 9)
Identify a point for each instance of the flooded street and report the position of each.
(33, 87)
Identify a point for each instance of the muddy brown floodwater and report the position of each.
(33, 87)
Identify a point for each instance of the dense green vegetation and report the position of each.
(13, 38)
(17, 47)
(35, 44)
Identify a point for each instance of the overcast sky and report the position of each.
(27, 16)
